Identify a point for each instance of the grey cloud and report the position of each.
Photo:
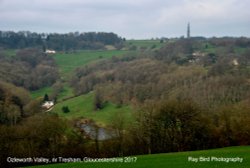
(130, 18)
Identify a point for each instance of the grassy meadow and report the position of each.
(174, 160)
(66, 92)
(149, 44)
(82, 107)
(10, 52)
(41, 92)
(67, 62)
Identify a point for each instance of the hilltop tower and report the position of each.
(188, 30)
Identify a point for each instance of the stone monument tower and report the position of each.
(188, 30)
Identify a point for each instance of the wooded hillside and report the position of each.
(190, 94)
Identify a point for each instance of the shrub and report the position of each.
(65, 109)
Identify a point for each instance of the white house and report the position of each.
(50, 51)
(235, 62)
(48, 105)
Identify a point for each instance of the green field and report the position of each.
(240, 50)
(208, 48)
(82, 106)
(10, 52)
(175, 160)
(68, 62)
(41, 92)
(145, 43)
(66, 92)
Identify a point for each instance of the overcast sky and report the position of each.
(138, 19)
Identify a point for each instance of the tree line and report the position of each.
(59, 42)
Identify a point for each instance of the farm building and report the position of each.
(50, 51)
(48, 105)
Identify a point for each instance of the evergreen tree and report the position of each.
(65, 109)
(46, 97)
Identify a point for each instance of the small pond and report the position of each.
(99, 133)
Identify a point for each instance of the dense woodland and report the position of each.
(59, 42)
(191, 94)
(29, 68)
